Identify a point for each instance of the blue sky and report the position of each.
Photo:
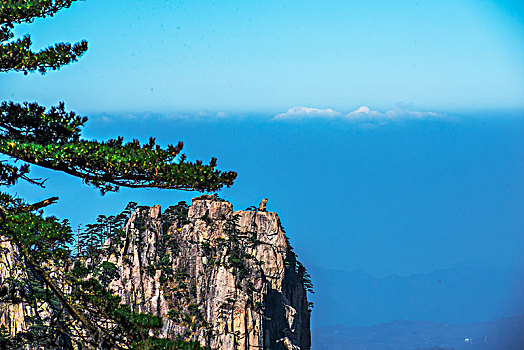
(274, 55)
(400, 196)
(400, 113)
(386, 134)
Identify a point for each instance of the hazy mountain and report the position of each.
(505, 334)
(468, 292)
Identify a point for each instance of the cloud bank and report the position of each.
(363, 114)
(307, 113)
(399, 112)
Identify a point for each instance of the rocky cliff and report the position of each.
(227, 278)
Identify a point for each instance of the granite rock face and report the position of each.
(227, 278)
(12, 314)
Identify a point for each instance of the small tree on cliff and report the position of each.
(51, 138)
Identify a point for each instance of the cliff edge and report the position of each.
(228, 279)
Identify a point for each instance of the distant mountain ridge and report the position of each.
(504, 334)
(465, 293)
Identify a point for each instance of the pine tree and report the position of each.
(51, 138)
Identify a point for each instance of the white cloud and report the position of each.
(200, 115)
(364, 112)
(105, 118)
(400, 112)
(361, 115)
(308, 113)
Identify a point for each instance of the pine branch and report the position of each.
(39, 205)
(19, 11)
(99, 335)
(17, 56)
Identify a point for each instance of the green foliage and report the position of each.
(236, 253)
(175, 214)
(91, 275)
(19, 11)
(16, 54)
(46, 238)
(89, 241)
(108, 165)
(52, 138)
(304, 277)
(31, 123)
(193, 310)
(74, 283)
(107, 272)
(173, 314)
(40, 333)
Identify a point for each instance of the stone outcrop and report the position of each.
(12, 314)
(229, 279)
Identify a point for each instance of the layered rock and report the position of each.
(227, 278)
(20, 311)
(235, 281)
(12, 314)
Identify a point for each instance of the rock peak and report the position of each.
(240, 274)
(262, 205)
(228, 279)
